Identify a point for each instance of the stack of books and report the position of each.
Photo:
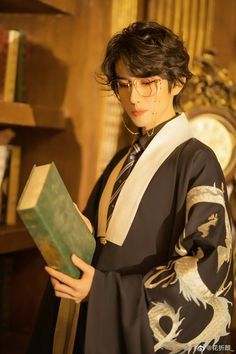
(12, 57)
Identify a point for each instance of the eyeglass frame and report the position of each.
(114, 84)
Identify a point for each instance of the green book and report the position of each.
(53, 221)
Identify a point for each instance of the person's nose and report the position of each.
(134, 95)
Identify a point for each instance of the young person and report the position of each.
(161, 278)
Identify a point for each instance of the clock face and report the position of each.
(213, 130)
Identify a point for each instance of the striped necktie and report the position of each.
(122, 176)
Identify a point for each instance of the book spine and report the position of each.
(13, 185)
(4, 179)
(46, 243)
(4, 153)
(11, 65)
(20, 91)
(3, 58)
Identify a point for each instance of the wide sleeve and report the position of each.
(190, 298)
(184, 305)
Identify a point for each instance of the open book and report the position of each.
(53, 221)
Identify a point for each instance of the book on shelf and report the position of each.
(53, 221)
(3, 58)
(20, 86)
(4, 178)
(12, 65)
(13, 183)
(10, 159)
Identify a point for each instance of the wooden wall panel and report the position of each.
(191, 19)
(224, 34)
(83, 98)
(122, 14)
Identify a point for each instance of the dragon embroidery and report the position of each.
(184, 270)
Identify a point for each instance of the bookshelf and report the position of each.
(60, 122)
(16, 113)
(44, 129)
(14, 239)
(39, 6)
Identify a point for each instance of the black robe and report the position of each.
(165, 285)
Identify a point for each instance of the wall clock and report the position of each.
(216, 128)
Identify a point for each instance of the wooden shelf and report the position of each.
(14, 238)
(14, 113)
(66, 6)
(38, 6)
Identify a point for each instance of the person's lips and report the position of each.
(138, 112)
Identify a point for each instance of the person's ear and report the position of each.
(177, 86)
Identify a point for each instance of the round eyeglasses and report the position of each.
(145, 87)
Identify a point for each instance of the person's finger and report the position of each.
(62, 288)
(86, 220)
(79, 263)
(66, 296)
(63, 278)
(54, 281)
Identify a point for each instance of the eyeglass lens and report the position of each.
(144, 87)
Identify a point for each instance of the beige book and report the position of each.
(11, 66)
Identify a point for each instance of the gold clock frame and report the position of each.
(223, 116)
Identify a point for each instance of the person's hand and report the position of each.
(69, 288)
(86, 220)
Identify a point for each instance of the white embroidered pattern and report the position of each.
(185, 271)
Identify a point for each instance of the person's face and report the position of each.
(147, 101)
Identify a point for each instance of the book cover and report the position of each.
(51, 218)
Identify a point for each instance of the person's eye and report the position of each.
(148, 83)
(123, 84)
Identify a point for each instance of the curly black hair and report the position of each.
(148, 49)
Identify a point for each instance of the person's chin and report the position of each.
(139, 119)
(139, 122)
